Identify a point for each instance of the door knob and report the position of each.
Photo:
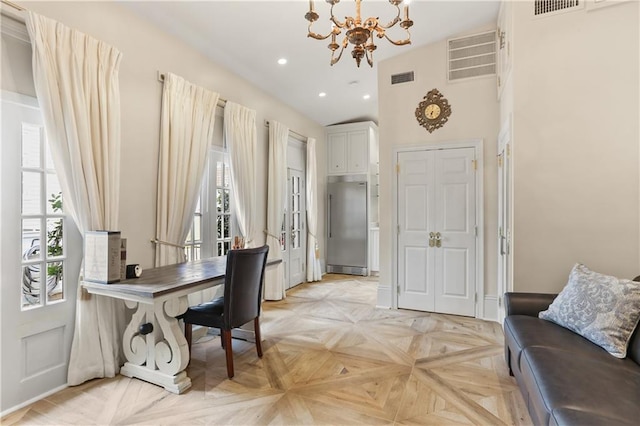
(432, 241)
(438, 239)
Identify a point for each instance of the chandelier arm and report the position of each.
(316, 35)
(335, 60)
(400, 42)
(394, 21)
(335, 20)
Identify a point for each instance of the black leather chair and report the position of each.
(239, 305)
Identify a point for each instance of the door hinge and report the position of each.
(508, 150)
(474, 164)
(499, 160)
(475, 298)
(398, 168)
(398, 229)
(500, 302)
(475, 230)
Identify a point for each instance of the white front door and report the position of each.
(295, 226)
(39, 260)
(437, 230)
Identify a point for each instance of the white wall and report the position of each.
(147, 50)
(474, 115)
(575, 94)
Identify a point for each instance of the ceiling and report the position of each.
(248, 38)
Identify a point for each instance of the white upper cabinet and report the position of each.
(350, 148)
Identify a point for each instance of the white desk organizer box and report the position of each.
(102, 263)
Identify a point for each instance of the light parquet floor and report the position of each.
(330, 357)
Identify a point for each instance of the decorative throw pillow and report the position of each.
(600, 308)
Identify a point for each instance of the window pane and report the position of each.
(283, 241)
(296, 185)
(227, 246)
(31, 285)
(55, 287)
(54, 194)
(48, 159)
(226, 201)
(54, 237)
(31, 190)
(296, 221)
(197, 228)
(31, 145)
(189, 236)
(227, 176)
(219, 226)
(219, 200)
(227, 224)
(220, 248)
(296, 203)
(198, 207)
(31, 239)
(219, 173)
(196, 252)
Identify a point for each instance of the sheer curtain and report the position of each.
(276, 201)
(313, 252)
(188, 119)
(241, 141)
(77, 85)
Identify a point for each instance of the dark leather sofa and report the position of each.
(564, 378)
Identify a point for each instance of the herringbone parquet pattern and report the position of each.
(330, 357)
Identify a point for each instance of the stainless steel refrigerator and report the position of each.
(347, 225)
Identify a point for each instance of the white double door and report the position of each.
(436, 239)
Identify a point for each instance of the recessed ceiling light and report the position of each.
(322, 94)
(282, 61)
(365, 97)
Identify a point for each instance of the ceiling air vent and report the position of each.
(472, 56)
(404, 77)
(544, 7)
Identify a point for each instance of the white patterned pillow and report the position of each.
(600, 308)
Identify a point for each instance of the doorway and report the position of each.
(437, 216)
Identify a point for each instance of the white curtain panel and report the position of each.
(76, 82)
(241, 142)
(313, 251)
(186, 132)
(276, 202)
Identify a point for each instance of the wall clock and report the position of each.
(433, 111)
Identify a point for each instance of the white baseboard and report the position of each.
(32, 400)
(384, 297)
(490, 307)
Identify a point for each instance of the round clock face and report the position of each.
(432, 111)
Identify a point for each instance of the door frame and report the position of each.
(477, 145)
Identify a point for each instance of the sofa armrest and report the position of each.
(527, 303)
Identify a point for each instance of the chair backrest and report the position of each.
(243, 285)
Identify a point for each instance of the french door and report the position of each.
(436, 239)
(504, 217)
(294, 235)
(39, 260)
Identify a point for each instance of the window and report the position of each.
(43, 220)
(213, 225)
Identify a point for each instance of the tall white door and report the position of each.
(39, 260)
(294, 237)
(437, 231)
(504, 218)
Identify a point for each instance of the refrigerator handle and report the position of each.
(329, 216)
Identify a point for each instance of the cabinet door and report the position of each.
(337, 161)
(357, 152)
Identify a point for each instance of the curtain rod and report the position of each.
(299, 136)
(15, 6)
(221, 102)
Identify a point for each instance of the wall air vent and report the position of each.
(472, 56)
(544, 7)
(404, 77)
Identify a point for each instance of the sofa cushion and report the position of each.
(601, 308)
(522, 331)
(569, 416)
(558, 378)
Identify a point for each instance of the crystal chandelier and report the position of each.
(359, 32)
